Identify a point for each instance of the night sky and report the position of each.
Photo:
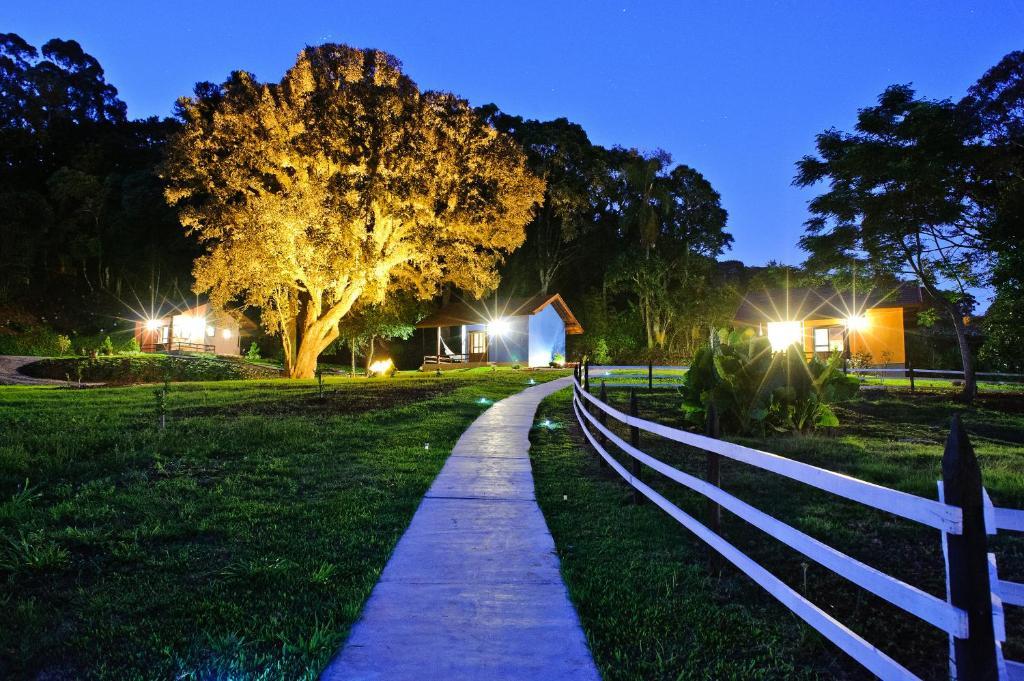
(736, 90)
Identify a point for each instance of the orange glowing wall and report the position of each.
(884, 333)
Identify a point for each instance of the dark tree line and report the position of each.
(630, 239)
(84, 223)
(926, 189)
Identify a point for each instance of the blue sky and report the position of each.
(737, 90)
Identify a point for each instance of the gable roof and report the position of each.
(822, 303)
(482, 312)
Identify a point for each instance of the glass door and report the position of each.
(477, 341)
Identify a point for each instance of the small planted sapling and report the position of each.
(161, 402)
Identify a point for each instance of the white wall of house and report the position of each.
(547, 337)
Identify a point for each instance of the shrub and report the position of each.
(107, 347)
(861, 360)
(253, 354)
(128, 369)
(755, 390)
(133, 346)
(601, 355)
(63, 344)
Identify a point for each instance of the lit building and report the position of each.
(823, 321)
(526, 331)
(194, 329)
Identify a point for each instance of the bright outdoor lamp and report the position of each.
(783, 334)
(498, 327)
(857, 323)
(152, 324)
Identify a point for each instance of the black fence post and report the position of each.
(634, 439)
(586, 375)
(714, 476)
(910, 373)
(603, 418)
(650, 375)
(974, 657)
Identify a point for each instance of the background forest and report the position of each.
(634, 241)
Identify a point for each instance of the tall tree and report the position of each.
(898, 198)
(674, 227)
(81, 199)
(997, 184)
(338, 185)
(573, 170)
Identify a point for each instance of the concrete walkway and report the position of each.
(473, 590)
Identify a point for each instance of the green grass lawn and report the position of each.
(241, 542)
(652, 608)
(932, 385)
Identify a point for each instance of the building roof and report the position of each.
(822, 303)
(482, 312)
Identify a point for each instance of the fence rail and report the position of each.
(971, 614)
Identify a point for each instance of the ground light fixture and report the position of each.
(783, 334)
(498, 327)
(483, 400)
(382, 367)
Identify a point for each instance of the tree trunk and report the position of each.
(369, 356)
(970, 388)
(352, 346)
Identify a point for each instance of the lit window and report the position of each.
(210, 331)
(226, 333)
(783, 334)
(829, 339)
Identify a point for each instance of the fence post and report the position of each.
(634, 439)
(603, 418)
(586, 376)
(714, 476)
(910, 372)
(650, 375)
(974, 657)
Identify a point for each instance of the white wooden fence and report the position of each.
(971, 614)
(909, 371)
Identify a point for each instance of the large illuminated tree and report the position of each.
(338, 185)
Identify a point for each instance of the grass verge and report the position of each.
(652, 608)
(240, 542)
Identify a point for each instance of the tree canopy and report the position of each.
(338, 185)
(925, 188)
(84, 217)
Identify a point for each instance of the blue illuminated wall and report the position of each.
(547, 337)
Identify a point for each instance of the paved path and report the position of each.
(9, 365)
(473, 591)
